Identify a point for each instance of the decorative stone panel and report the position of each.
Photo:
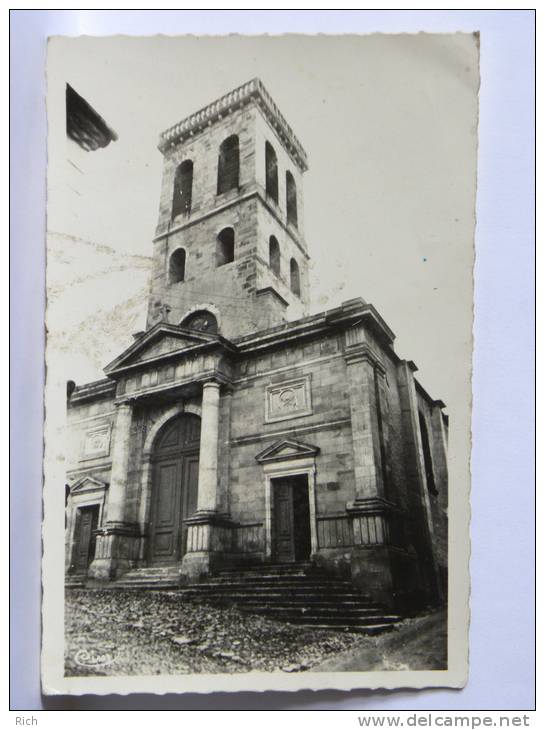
(290, 399)
(96, 442)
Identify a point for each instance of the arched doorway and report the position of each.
(174, 490)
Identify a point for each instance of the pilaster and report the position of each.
(363, 368)
(419, 505)
(439, 446)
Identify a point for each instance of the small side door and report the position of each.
(283, 524)
(86, 524)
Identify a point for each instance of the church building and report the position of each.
(237, 430)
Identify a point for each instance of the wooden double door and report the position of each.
(291, 519)
(174, 489)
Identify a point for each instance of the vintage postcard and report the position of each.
(259, 340)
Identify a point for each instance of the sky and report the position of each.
(389, 123)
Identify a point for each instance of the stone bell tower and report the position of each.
(229, 252)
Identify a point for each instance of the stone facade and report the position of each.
(258, 434)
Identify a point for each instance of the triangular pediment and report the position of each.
(286, 449)
(162, 339)
(87, 484)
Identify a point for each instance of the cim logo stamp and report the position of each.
(94, 657)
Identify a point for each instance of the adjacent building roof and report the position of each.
(84, 125)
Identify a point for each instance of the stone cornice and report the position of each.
(255, 192)
(91, 391)
(352, 311)
(312, 428)
(119, 528)
(210, 518)
(315, 325)
(203, 341)
(271, 290)
(236, 99)
(371, 506)
(153, 391)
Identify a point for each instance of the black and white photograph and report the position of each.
(259, 339)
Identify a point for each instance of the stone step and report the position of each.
(148, 576)
(151, 572)
(275, 588)
(278, 580)
(333, 625)
(331, 617)
(325, 610)
(264, 588)
(281, 567)
(262, 592)
(299, 594)
(370, 629)
(147, 586)
(267, 571)
(318, 603)
(273, 597)
(319, 582)
(148, 581)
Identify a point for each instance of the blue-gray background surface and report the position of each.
(502, 529)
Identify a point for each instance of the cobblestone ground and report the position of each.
(143, 632)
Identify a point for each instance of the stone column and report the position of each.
(208, 455)
(208, 533)
(117, 540)
(115, 511)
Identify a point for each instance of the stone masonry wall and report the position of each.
(328, 427)
(83, 422)
(228, 288)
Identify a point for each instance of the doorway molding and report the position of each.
(87, 491)
(289, 458)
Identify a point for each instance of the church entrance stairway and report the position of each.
(296, 593)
